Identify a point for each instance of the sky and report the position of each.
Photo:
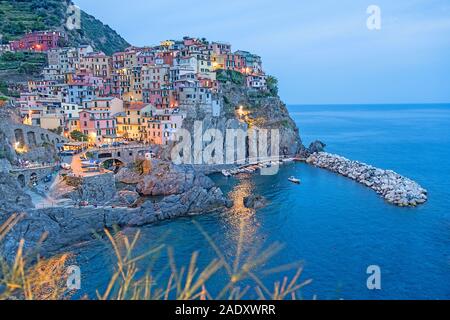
(321, 51)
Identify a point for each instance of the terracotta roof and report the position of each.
(135, 105)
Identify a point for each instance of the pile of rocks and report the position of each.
(395, 188)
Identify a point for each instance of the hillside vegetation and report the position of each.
(20, 16)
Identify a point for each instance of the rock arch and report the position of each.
(21, 180)
(105, 155)
(31, 137)
(18, 135)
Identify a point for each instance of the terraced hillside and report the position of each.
(20, 16)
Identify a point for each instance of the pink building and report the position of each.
(145, 58)
(38, 41)
(97, 125)
(235, 62)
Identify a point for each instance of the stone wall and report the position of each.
(30, 135)
(24, 176)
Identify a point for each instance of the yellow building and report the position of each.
(131, 123)
(218, 61)
(99, 64)
(206, 68)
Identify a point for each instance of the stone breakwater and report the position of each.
(393, 187)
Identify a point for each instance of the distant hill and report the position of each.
(18, 17)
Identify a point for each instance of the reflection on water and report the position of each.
(242, 223)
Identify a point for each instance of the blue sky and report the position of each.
(321, 51)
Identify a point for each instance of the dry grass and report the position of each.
(46, 278)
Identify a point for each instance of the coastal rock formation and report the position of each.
(167, 179)
(262, 111)
(393, 187)
(186, 192)
(13, 198)
(98, 189)
(317, 146)
(255, 202)
(64, 226)
(128, 175)
(124, 198)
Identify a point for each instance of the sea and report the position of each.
(332, 228)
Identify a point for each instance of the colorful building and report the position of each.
(97, 125)
(131, 122)
(40, 41)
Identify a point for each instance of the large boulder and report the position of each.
(255, 202)
(128, 175)
(167, 179)
(316, 146)
(98, 189)
(125, 198)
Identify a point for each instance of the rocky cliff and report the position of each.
(262, 110)
(184, 192)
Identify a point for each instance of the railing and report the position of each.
(109, 149)
(32, 167)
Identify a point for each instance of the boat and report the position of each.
(66, 166)
(90, 163)
(294, 180)
(226, 173)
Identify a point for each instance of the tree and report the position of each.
(78, 136)
(272, 85)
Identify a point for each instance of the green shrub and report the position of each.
(232, 76)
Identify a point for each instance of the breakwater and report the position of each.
(393, 187)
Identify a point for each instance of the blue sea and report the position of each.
(333, 226)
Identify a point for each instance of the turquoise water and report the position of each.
(337, 228)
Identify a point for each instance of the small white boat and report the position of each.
(226, 173)
(294, 180)
(66, 166)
